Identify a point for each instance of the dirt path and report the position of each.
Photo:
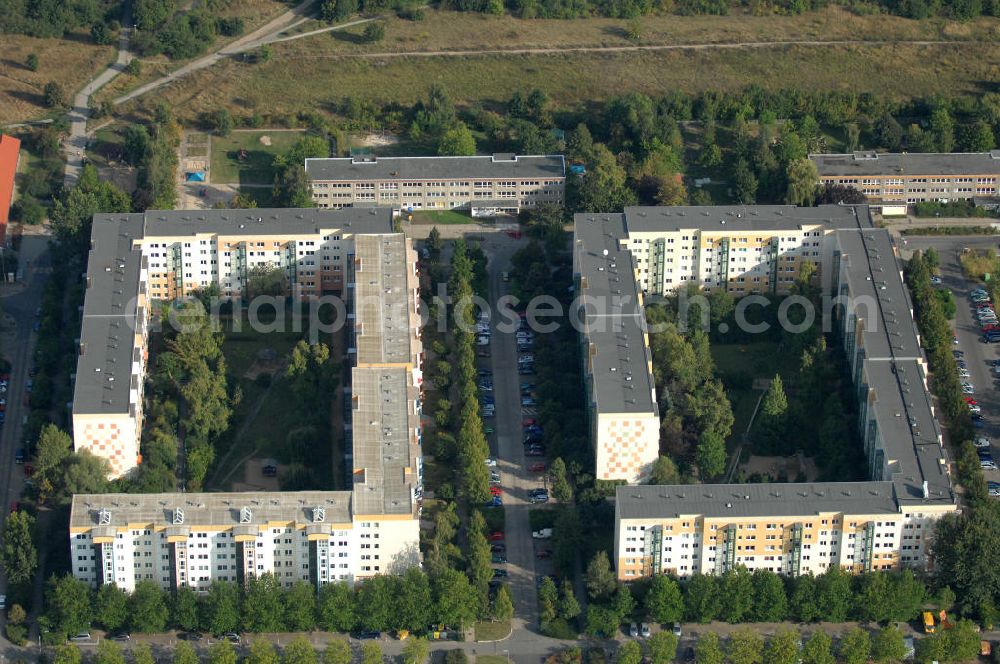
(632, 49)
(255, 39)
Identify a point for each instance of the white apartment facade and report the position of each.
(191, 540)
(501, 184)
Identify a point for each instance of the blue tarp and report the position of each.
(196, 176)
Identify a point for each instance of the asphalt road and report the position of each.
(19, 303)
(515, 479)
(978, 355)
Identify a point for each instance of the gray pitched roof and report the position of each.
(907, 163)
(495, 167)
(754, 500)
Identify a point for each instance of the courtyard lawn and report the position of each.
(739, 365)
(226, 167)
(440, 217)
(492, 631)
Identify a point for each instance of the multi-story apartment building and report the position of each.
(501, 184)
(789, 528)
(755, 249)
(162, 255)
(892, 181)
(192, 539)
(623, 415)
(178, 539)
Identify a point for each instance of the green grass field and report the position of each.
(491, 659)
(226, 168)
(492, 631)
(441, 217)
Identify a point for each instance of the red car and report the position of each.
(971, 401)
(538, 467)
(29, 470)
(528, 422)
(983, 305)
(15, 507)
(544, 553)
(496, 536)
(495, 491)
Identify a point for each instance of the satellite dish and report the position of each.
(605, 252)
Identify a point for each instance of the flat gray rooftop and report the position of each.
(495, 167)
(111, 313)
(614, 317)
(755, 500)
(909, 164)
(879, 296)
(384, 434)
(266, 221)
(382, 300)
(734, 218)
(209, 509)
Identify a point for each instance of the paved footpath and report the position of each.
(76, 144)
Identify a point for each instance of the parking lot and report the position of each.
(977, 355)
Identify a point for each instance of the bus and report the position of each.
(928, 622)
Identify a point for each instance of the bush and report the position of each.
(31, 62)
(950, 209)
(374, 32)
(17, 634)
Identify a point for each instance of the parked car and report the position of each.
(644, 630)
(119, 637)
(367, 634)
(539, 499)
(987, 464)
(498, 558)
(499, 573)
(544, 533)
(994, 488)
(483, 340)
(494, 476)
(498, 548)
(982, 442)
(232, 637)
(82, 636)
(495, 536)
(538, 467)
(677, 630)
(19, 455)
(543, 553)
(976, 410)
(495, 501)
(496, 491)
(491, 462)
(936, 280)
(633, 630)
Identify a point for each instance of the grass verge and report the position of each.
(492, 631)
(441, 217)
